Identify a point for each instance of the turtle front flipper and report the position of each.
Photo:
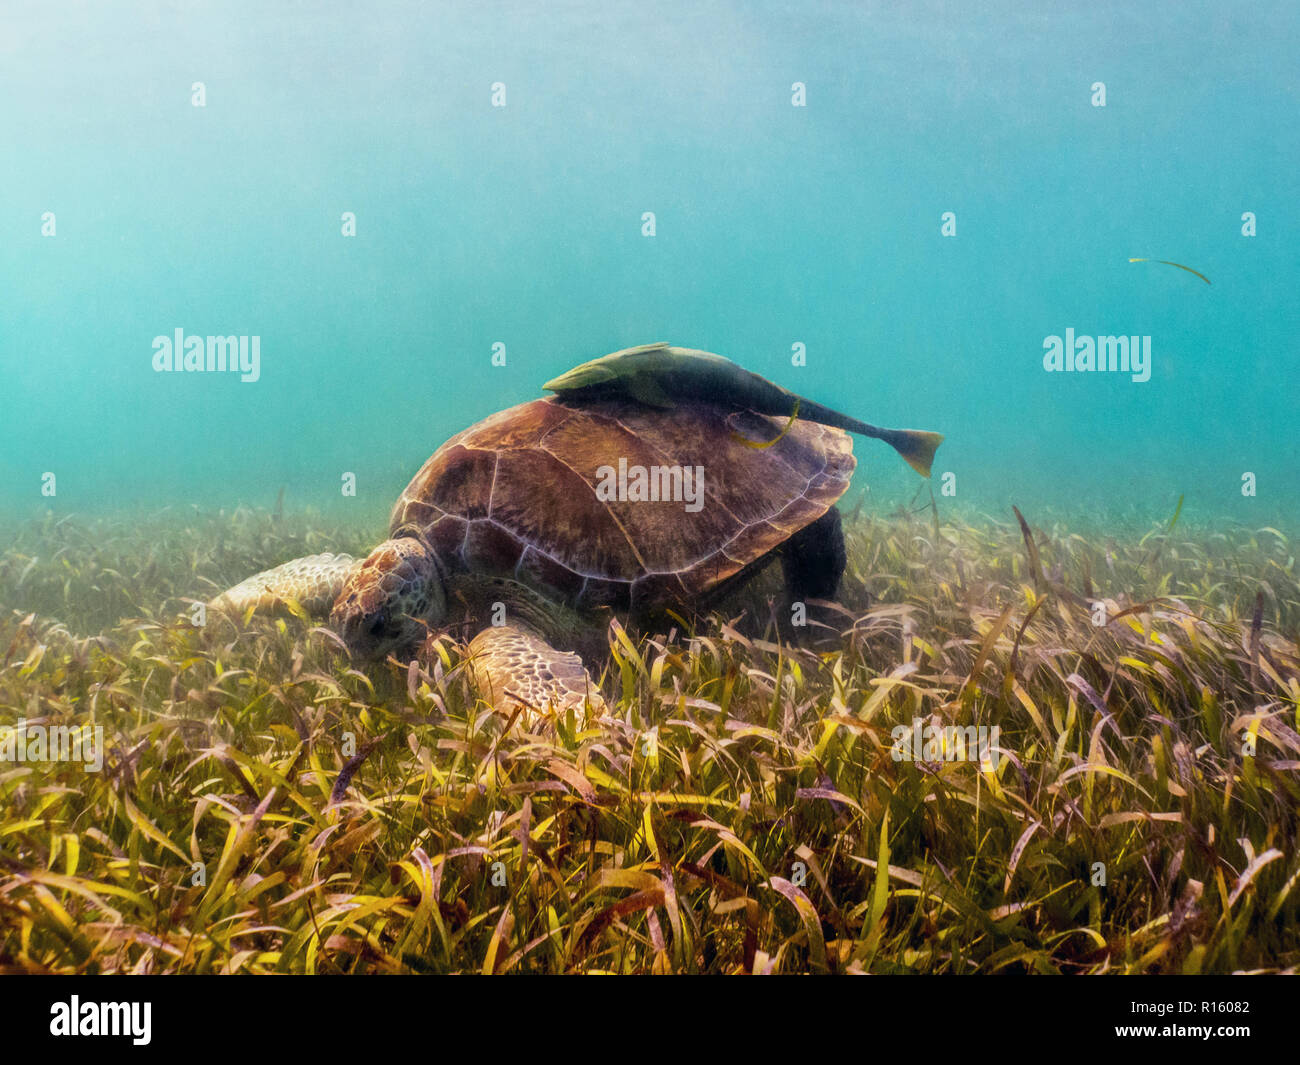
(313, 582)
(512, 664)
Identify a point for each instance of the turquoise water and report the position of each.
(522, 225)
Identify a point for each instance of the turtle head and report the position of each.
(390, 599)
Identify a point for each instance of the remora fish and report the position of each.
(658, 375)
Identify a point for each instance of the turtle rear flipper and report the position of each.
(313, 582)
(511, 664)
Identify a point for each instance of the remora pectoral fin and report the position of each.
(645, 389)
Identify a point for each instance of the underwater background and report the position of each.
(774, 225)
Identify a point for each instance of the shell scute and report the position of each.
(516, 494)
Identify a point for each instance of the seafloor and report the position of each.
(266, 805)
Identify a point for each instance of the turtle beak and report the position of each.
(349, 621)
(371, 635)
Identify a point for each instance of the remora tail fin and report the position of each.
(915, 445)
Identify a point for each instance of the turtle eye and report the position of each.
(379, 626)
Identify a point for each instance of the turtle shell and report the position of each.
(524, 493)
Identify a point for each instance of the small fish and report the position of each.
(658, 375)
(1180, 266)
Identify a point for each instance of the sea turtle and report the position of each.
(530, 524)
